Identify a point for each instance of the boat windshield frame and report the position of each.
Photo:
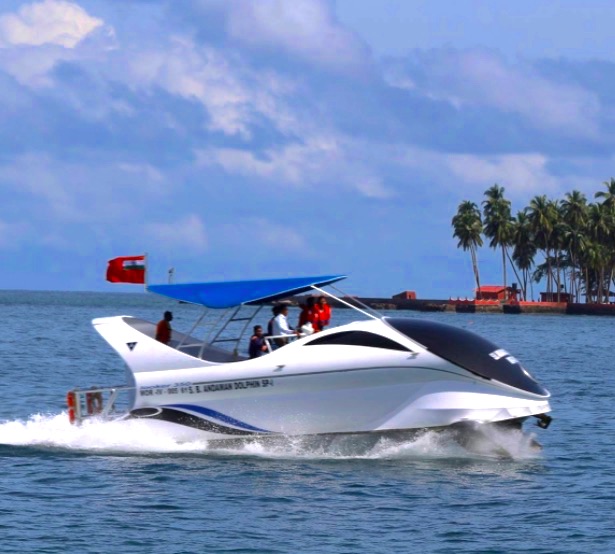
(218, 331)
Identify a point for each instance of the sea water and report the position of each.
(120, 487)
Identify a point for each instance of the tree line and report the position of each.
(573, 239)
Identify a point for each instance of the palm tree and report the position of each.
(468, 228)
(600, 222)
(576, 243)
(608, 239)
(498, 222)
(594, 261)
(574, 213)
(574, 209)
(558, 242)
(609, 194)
(576, 238)
(542, 214)
(524, 248)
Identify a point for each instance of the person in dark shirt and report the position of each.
(258, 346)
(163, 329)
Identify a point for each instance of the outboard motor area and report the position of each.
(544, 420)
(469, 351)
(97, 402)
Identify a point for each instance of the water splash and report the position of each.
(496, 444)
(55, 431)
(140, 437)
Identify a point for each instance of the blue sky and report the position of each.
(246, 139)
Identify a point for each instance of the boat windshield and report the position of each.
(469, 351)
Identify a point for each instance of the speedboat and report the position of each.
(375, 375)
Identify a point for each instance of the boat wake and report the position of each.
(137, 437)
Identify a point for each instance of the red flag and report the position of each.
(127, 269)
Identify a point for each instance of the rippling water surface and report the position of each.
(118, 487)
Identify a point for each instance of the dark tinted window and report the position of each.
(358, 338)
(468, 351)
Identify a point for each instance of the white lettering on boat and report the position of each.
(497, 354)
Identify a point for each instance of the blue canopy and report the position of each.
(227, 294)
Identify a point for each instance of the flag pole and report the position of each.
(145, 270)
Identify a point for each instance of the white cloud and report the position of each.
(71, 192)
(38, 175)
(323, 160)
(38, 37)
(145, 172)
(187, 233)
(32, 68)
(475, 78)
(307, 29)
(267, 234)
(234, 95)
(521, 173)
(48, 22)
(372, 187)
(294, 164)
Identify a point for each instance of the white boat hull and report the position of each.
(306, 388)
(283, 401)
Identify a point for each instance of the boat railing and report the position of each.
(367, 311)
(226, 332)
(223, 334)
(98, 402)
(286, 338)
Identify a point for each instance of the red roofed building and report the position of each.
(406, 295)
(495, 292)
(554, 297)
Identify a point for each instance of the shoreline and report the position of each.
(473, 306)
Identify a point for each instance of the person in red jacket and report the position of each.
(163, 329)
(310, 314)
(324, 314)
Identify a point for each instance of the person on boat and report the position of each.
(258, 346)
(324, 312)
(281, 327)
(163, 329)
(275, 311)
(310, 313)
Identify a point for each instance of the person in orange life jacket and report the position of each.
(163, 329)
(303, 315)
(310, 314)
(324, 312)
